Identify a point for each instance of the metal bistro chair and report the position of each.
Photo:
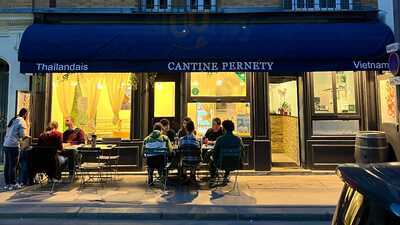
(92, 170)
(111, 157)
(229, 160)
(45, 164)
(190, 158)
(156, 154)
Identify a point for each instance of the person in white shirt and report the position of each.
(16, 129)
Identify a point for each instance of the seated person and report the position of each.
(182, 132)
(53, 138)
(156, 140)
(166, 130)
(214, 132)
(72, 136)
(228, 140)
(189, 141)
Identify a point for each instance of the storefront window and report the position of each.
(345, 92)
(98, 103)
(216, 95)
(334, 93)
(164, 99)
(323, 92)
(388, 101)
(203, 113)
(221, 84)
(335, 127)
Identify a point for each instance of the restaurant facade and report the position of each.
(297, 89)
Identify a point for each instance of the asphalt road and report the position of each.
(147, 222)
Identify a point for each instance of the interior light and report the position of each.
(219, 82)
(99, 86)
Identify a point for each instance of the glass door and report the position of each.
(284, 121)
(165, 98)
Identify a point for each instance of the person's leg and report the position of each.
(7, 165)
(23, 168)
(227, 172)
(150, 172)
(14, 153)
(212, 169)
(193, 174)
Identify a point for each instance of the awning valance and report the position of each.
(208, 47)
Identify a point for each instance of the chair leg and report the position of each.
(235, 189)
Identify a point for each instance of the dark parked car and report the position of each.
(370, 196)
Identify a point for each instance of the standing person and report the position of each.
(214, 132)
(183, 131)
(228, 140)
(16, 129)
(189, 141)
(166, 130)
(73, 135)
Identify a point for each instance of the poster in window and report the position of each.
(23, 100)
(243, 124)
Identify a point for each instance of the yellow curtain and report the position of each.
(117, 85)
(65, 89)
(91, 84)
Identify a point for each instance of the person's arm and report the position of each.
(21, 129)
(60, 141)
(81, 137)
(169, 145)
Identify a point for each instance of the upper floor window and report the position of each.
(158, 4)
(202, 5)
(318, 4)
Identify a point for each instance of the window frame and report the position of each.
(218, 99)
(157, 5)
(49, 98)
(223, 99)
(317, 5)
(200, 5)
(335, 114)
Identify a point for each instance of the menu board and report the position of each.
(23, 100)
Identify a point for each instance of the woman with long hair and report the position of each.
(183, 131)
(16, 129)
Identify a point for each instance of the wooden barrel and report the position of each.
(371, 147)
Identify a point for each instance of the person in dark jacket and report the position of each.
(228, 140)
(189, 141)
(214, 132)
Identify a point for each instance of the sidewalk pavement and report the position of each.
(288, 197)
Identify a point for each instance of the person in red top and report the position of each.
(53, 138)
(73, 135)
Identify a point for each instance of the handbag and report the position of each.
(25, 143)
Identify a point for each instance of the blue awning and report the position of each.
(209, 47)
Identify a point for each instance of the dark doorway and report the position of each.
(165, 100)
(4, 68)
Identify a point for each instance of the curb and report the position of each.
(181, 212)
